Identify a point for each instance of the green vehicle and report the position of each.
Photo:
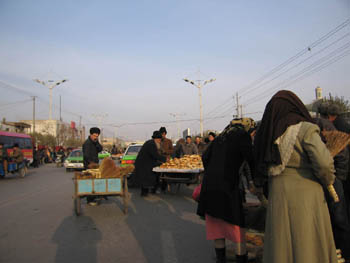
(130, 155)
(74, 161)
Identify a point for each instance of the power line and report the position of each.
(299, 54)
(306, 72)
(14, 103)
(301, 62)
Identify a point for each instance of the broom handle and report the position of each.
(333, 193)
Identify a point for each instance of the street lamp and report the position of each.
(50, 84)
(199, 85)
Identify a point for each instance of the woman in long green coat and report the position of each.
(291, 155)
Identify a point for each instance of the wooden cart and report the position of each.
(99, 187)
(178, 176)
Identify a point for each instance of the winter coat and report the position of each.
(146, 160)
(166, 147)
(201, 147)
(90, 152)
(189, 149)
(220, 194)
(297, 213)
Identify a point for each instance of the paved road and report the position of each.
(37, 225)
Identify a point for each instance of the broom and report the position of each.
(336, 141)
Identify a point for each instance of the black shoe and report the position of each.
(242, 258)
(220, 255)
(144, 191)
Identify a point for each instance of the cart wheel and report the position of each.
(126, 196)
(22, 172)
(77, 206)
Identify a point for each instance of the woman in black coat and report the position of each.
(146, 160)
(221, 200)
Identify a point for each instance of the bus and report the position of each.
(24, 141)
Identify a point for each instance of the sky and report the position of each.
(126, 60)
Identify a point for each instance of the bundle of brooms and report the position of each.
(107, 169)
(336, 141)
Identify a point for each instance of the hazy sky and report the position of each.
(127, 59)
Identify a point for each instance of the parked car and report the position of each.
(130, 155)
(74, 161)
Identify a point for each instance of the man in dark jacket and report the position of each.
(200, 145)
(189, 147)
(91, 148)
(146, 160)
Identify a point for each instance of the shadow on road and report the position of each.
(167, 229)
(76, 240)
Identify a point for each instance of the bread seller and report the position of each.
(91, 148)
(146, 160)
(166, 145)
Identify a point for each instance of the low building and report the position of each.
(18, 127)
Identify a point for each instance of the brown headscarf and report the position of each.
(283, 110)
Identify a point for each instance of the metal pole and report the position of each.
(60, 109)
(200, 109)
(50, 110)
(33, 115)
(237, 105)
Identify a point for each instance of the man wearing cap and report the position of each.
(166, 145)
(91, 148)
(146, 160)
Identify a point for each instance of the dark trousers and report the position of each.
(339, 219)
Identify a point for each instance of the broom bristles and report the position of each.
(336, 141)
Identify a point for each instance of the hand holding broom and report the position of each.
(336, 141)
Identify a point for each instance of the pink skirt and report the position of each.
(218, 229)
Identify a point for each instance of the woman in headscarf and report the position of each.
(220, 201)
(290, 154)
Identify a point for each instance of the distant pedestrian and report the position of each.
(211, 136)
(166, 145)
(178, 150)
(201, 146)
(189, 147)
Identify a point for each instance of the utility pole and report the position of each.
(199, 85)
(237, 105)
(176, 116)
(33, 115)
(50, 84)
(60, 109)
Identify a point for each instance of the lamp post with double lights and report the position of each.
(199, 85)
(50, 84)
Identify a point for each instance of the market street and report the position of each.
(38, 224)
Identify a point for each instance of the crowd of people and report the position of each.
(307, 216)
(284, 158)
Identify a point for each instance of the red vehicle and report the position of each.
(24, 141)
